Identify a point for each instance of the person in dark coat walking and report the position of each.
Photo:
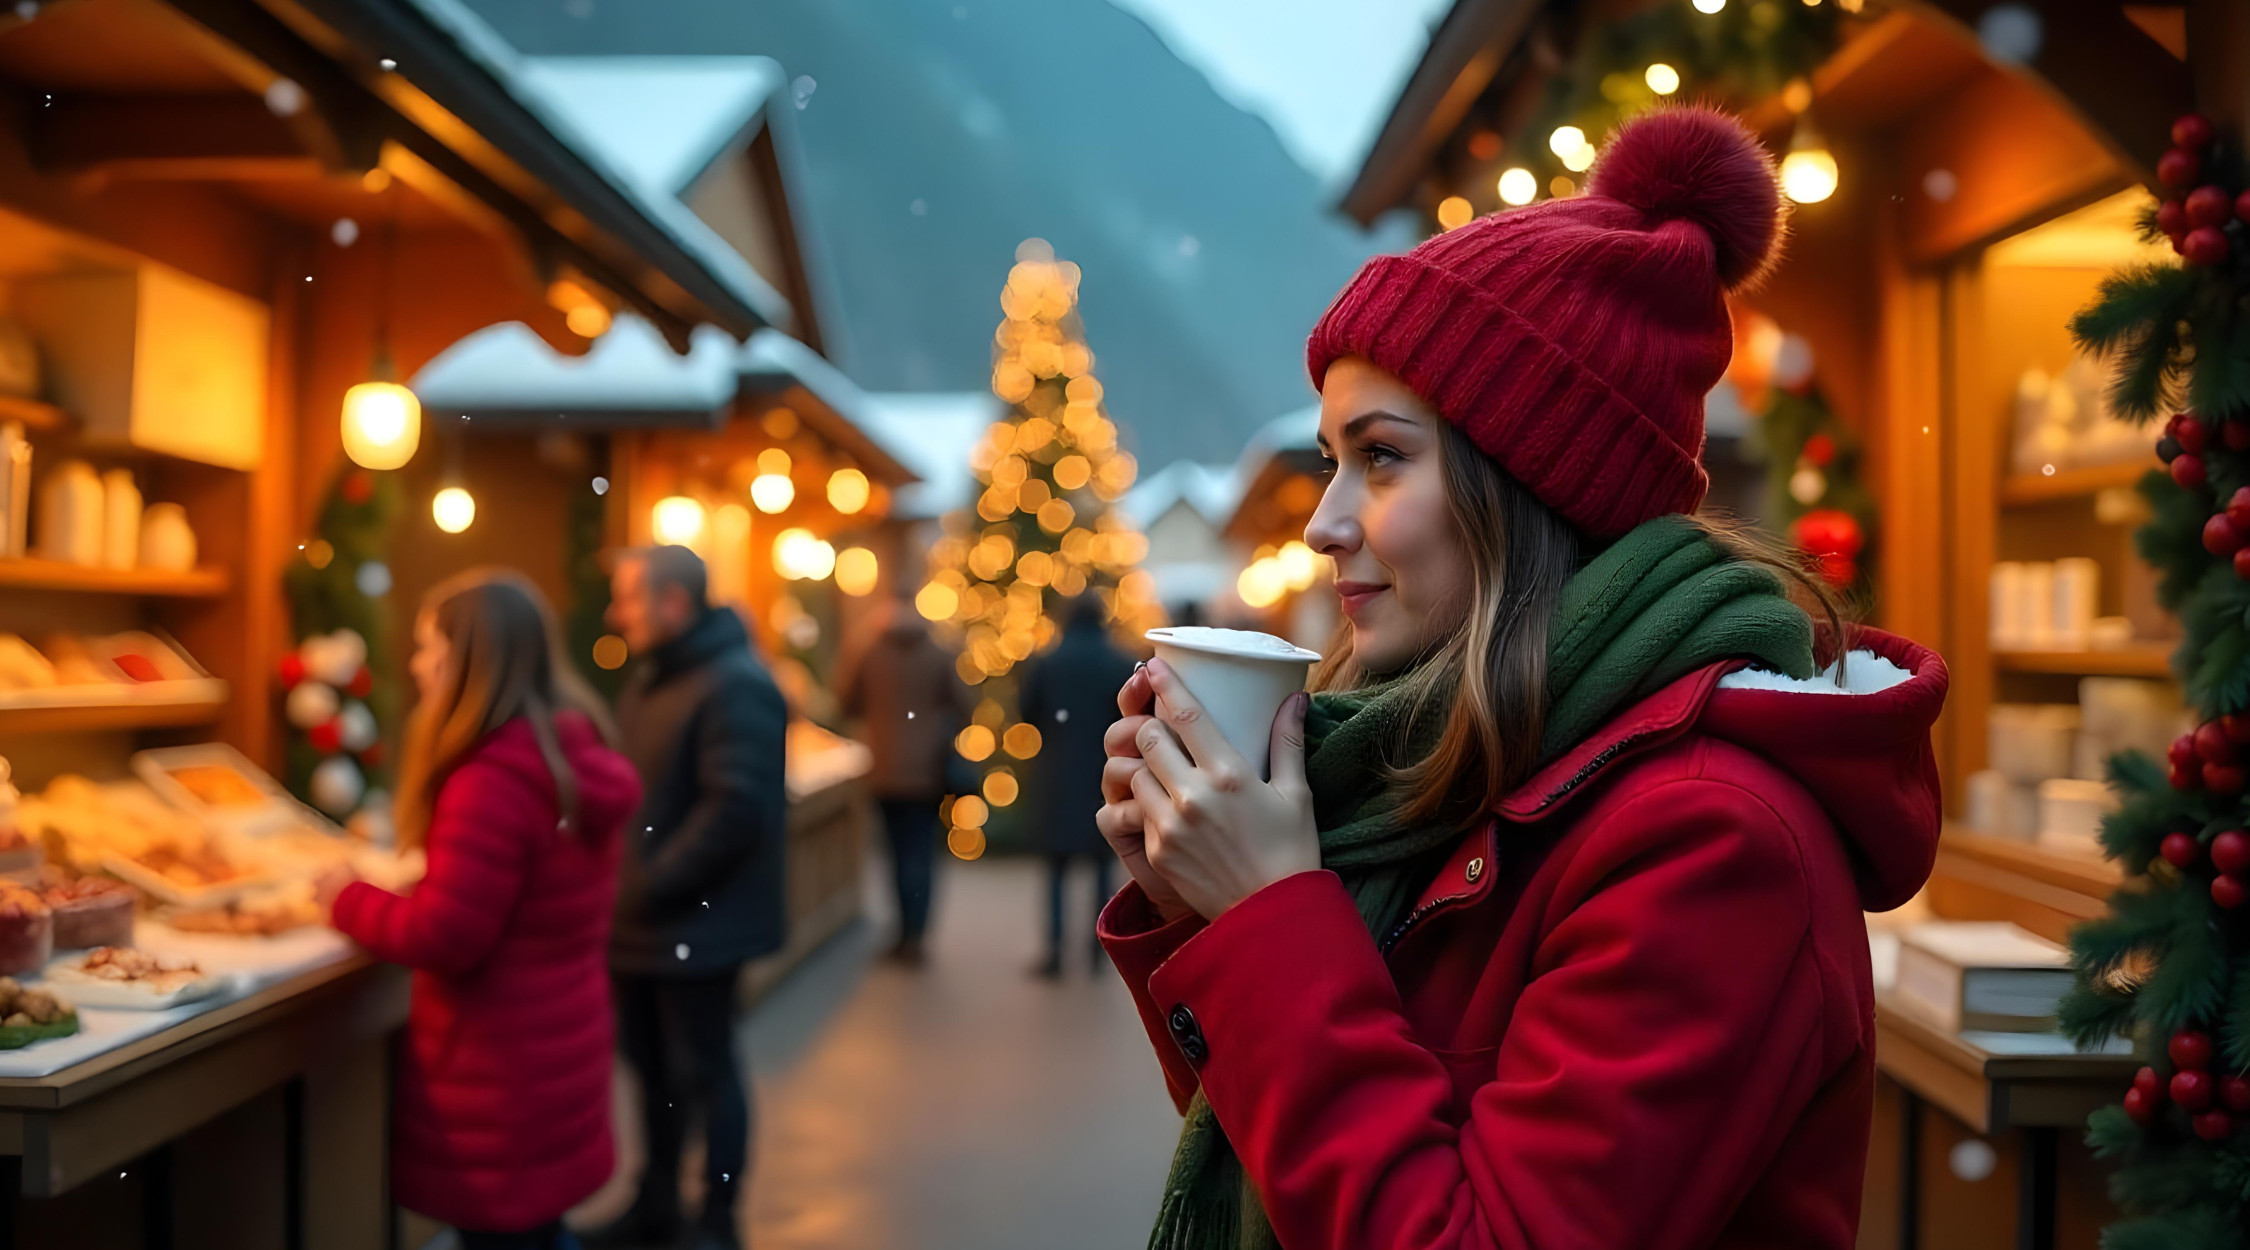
(902, 688)
(1070, 696)
(702, 885)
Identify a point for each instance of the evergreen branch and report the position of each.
(2172, 539)
(2189, 983)
(2234, 1039)
(2090, 1017)
(2111, 1134)
(2195, 1228)
(2137, 920)
(2132, 303)
(2161, 1181)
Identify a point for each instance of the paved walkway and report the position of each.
(964, 1106)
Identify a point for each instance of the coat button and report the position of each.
(1476, 869)
(1187, 1035)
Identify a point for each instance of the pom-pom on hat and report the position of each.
(1574, 340)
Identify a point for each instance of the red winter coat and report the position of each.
(502, 1120)
(1632, 1013)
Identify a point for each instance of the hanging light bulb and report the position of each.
(454, 509)
(677, 521)
(1809, 173)
(382, 421)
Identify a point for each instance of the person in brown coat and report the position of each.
(901, 686)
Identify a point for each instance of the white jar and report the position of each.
(70, 514)
(167, 541)
(121, 520)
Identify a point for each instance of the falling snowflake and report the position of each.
(345, 232)
(801, 89)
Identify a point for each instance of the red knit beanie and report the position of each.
(1574, 340)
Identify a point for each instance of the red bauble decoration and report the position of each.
(372, 758)
(2188, 471)
(2230, 851)
(2190, 433)
(2192, 132)
(2212, 745)
(2214, 1125)
(2140, 1107)
(2242, 564)
(2234, 1094)
(2189, 1048)
(2221, 537)
(2229, 891)
(1820, 449)
(2204, 245)
(2179, 168)
(359, 486)
(2193, 1089)
(2149, 1083)
(292, 670)
(2171, 218)
(2209, 206)
(362, 683)
(2180, 850)
(2224, 778)
(326, 737)
(1832, 537)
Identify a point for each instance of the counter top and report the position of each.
(1994, 1082)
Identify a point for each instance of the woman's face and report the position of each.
(1402, 568)
(432, 664)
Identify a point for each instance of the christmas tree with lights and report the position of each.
(1044, 527)
(2169, 966)
(340, 680)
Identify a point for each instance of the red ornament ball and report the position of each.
(2180, 850)
(2178, 168)
(2204, 245)
(326, 737)
(1820, 449)
(2149, 1083)
(2234, 1094)
(2230, 851)
(372, 758)
(2190, 1048)
(358, 487)
(2242, 564)
(2228, 891)
(2238, 506)
(292, 670)
(2192, 131)
(2190, 433)
(2209, 206)
(2224, 778)
(362, 683)
(2212, 745)
(2140, 1107)
(2188, 472)
(2214, 1125)
(2193, 1089)
(2221, 537)
(2171, 218)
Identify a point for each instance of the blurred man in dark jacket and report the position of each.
(1070, 696)
(701, 887)
(902, 688)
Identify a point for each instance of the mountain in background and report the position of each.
(937, 136)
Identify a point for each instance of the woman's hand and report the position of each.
(1120, 817)
(1212, 830)
(330, 883)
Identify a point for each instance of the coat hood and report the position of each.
(1862, 749)
(608, 789)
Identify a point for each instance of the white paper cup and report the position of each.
(1240, 677)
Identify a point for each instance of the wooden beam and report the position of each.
(167, 138)
(1466, 51)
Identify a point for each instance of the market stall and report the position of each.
(225, 232)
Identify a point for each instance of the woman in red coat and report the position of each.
(503, 1114)
(1547, 931)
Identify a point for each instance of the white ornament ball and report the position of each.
(1792, 362)
(355, 726)
(373, 579)
(310, 703)
(337, 785)
(1807, 485)
(333, 658)
(353, 646)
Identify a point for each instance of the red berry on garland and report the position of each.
(2204, 245)
(2234, 1093)
(2193, 1089)
(326, 737)
(2190, 1048)
(2187, 470)
(2178, 168)
(2238, 507)
(2180, 850)
(2209, 206)
(2235, 434)
(2224, 778)
(1820, 449)
(2242, 564)
(2242, 206)
(2212, 745)
(292, 670)
(2140, 1107)
(2214, 1125)
(2236, 725)
(2191, 131)
(2172, 219)
(2188, 776)
(2229, 891)
(2230, 851)
(2149, 1083)
(2167, 449)
(2220, 536)
(2190, 433)
(362, 683)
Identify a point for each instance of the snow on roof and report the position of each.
(1213, 490)
(662, 119)
(630, 373)
(932, 434)
(1291, 431)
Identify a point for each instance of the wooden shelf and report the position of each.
(2029, 488)
(79, 718)
(34, 415)
(2140, 661)
(34, 574)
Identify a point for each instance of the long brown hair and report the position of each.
(1488, 679)
(506, 661)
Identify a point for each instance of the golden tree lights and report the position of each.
(1042, 528)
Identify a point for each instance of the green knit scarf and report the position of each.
(1659, 603)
